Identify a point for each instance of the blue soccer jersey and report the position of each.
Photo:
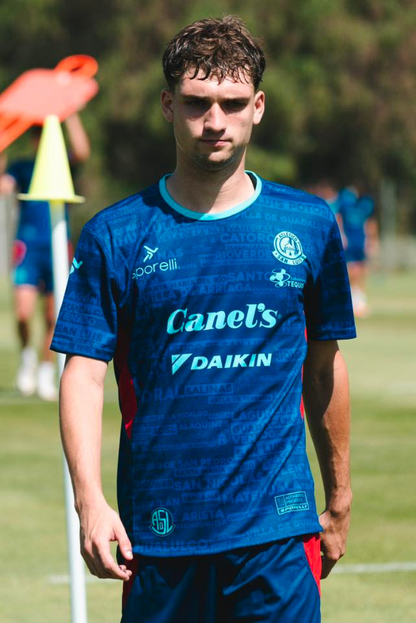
(34, 226)
(205, 316)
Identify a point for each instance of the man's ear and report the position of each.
(166, 98)
(259, 104)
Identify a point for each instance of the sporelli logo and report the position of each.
(140, 271)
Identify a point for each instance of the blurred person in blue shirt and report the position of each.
(327, 189)
(359, 226)
(32, 264)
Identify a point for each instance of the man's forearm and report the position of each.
(326, 396)
(80, 144)
(81, 402)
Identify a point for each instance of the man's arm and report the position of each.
(372, 242)
(81, 404)
(326, 397)
(78, 138)
(7, 184)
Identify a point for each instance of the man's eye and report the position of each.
(234, 105)
(195, 103)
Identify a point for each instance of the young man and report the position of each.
(201, 288)
(32, 270)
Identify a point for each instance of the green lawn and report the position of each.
(382, 365)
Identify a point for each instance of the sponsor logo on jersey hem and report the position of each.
(245, 360)
(288, 249)
(282, 279)
(161, 522)
(291, 502)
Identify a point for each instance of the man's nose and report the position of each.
(215, 119)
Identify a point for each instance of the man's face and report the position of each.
(212, 121)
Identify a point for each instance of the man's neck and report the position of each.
(209, 191)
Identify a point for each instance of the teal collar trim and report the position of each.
(206, 216)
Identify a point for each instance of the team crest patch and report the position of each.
(161, 522)
(288, 249)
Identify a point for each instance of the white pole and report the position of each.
(60, 276)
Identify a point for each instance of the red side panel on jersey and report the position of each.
(312, 545)
(302, 406)
(127, 395)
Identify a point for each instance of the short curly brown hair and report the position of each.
(220, 47)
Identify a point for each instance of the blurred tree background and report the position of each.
(340, 86)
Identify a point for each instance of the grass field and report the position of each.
(382, 365)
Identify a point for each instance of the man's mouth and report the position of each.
(215, 142)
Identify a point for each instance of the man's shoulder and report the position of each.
(296, 198)
(126, 213)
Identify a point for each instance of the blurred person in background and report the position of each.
(326, 189)
(201, 287)
(3, 163)
(359, 226)
(32, 262)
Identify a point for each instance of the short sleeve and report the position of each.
(87, 322)
(328, 307)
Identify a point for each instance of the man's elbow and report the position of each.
(83, 372)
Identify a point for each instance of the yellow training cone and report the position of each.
(51, 179)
